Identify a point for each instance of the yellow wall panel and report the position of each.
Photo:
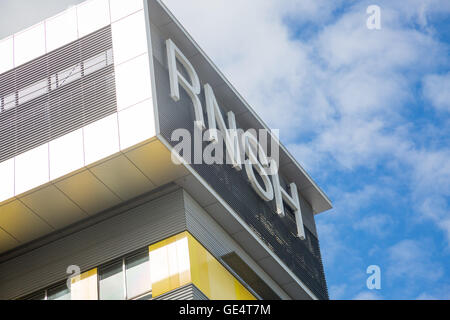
(85, 287)
(169, 264)
(181, 260)
(211, 277)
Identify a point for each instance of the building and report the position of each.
(90, 104)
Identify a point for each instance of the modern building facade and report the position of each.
(95, 203)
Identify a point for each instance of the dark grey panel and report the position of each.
(57, 93)
(249, 276)
(279, 234)
(188, 292)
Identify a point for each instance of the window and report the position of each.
(60, 292)
(122, 279)
(98, 62)
(9, 101)
(57, 80)
(36, 296)
(138, 275)
(111, 284)
(35, 90)
(69, 75)
(127, 278)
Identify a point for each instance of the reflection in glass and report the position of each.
(35, 90)
(111, 284)
(69, 75)
(138, 275)
(9, 101)
(98, 62)
(60, 292)
(36, 296)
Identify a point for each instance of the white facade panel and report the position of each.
(6, 54)
(134, 119)
(7, 179)
(66, 154)
(129, 37)
(29, 44)
(32, 169)
(92, 15)
(101, 139)
(62, 29)
(136, 124)
(133, 82)
(121, 8)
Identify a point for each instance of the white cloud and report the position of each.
(337, 292)
(436, 89)
(368, 295)
(411, 260)
(378, 224)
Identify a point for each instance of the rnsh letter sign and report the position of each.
(249, 146)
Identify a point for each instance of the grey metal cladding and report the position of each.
(126, 232)
(188, 292)
(302, 257)
(57, 93)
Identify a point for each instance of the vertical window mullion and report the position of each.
(124, 278)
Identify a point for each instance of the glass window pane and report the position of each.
(35, 90)
(69, 75)
(60, 292)
(9, 101)
(138, 275)
(111, 282)
(29, 44)
(35, 296)
(92, 15)
(6, 54)
(96, 63)
(61, 29)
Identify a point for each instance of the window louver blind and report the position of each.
(57, 93)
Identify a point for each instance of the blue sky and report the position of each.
(366, 112)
